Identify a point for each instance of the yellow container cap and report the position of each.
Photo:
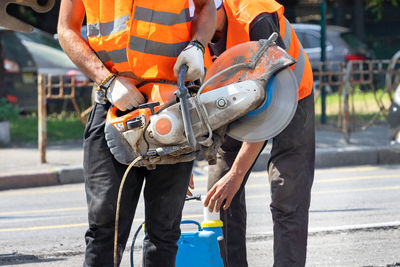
(211, 223)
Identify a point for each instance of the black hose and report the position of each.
(188, 198)
(134, 240)
(222, 250)
(121, 187)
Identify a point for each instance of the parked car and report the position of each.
(19, 71)
(341, 44)
(26, 55)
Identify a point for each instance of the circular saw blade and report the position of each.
(274, 115)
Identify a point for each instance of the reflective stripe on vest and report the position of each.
(160, 17)
(141, 36)
(302, 68)
(116, 56)
(107, 28)
(136, 43)
(156, 48)
(240, 13)
(157, 37)
(298, 68)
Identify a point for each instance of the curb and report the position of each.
(27, 179)
(364, 155)
(346, 156)
(324, 158)
(70, 175)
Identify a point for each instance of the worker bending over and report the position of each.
(291, 165)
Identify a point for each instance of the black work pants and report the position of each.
(164, 195)
(291, 174)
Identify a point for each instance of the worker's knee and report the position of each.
(169, 232)
(283, 195)
(101, 212)
(290, 205)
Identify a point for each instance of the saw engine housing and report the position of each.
(174, 124)
(164, 133)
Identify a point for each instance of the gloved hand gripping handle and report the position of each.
(182, 93)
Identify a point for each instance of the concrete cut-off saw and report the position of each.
(249, 93)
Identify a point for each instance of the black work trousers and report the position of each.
(164, 196)
(291, 174)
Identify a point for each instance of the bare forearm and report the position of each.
(72, 13)
(226, 188)
(82, 55)
(204, 21)
(245, 158)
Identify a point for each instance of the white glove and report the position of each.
(192, 56)
(123, 94)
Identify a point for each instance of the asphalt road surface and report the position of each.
(354, 220)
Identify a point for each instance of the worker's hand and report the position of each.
(224, 190)
(191, 186)
(192, 56)
(123, 94)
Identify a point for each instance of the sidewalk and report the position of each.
(20, 166)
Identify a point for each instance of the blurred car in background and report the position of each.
(27, 54)
(19, 71)
(341, 44)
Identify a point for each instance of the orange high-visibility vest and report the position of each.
(240, 14)
(139, 38)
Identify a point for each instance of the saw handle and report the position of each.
(182, 93)
(181, 75)
(151, 106)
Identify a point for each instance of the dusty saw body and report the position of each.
(175, 124)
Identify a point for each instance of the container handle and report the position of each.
(192, 222)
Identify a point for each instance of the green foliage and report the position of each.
(7, 111)
(377, 6)
(363, 102)
(60, 127)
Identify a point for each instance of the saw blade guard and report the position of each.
(262, 61)
(274, 115)
(246, 61)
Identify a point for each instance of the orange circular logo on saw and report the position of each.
(163, 126)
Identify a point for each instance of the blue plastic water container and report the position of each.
(200, 248)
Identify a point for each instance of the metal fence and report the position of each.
(55, 87)
(346, 77)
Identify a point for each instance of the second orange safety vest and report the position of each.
(140, 38)
(240, 14)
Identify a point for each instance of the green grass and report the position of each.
(60, 127)
(360, 118)
(365, 105)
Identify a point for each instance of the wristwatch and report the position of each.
(101, 89)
